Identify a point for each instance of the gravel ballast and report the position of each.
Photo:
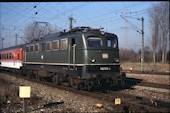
(53, 99)
(48, 99)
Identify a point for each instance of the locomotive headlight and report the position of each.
(116, 60)
(93, 60)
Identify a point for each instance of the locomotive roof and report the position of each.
(74, 31)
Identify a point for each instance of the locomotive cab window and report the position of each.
(94, 42)
(112, 43)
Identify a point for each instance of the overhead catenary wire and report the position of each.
(135, 27)
(77, 8)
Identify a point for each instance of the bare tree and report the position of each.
(154, 25)
(164, 27)
(159, 19)
(37, 30)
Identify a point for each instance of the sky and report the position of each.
(15, 16)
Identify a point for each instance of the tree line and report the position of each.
(159, 21)
(127, 55)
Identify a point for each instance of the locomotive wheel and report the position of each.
(28, 73)
(89, 87)
(75, 84)
(37, 77)
(55, 79)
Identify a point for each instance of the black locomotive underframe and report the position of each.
(82, 73)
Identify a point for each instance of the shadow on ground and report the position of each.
(49, 105)
(129, 84)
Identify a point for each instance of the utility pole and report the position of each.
(71, 22)
(126, 30)
(2, 41)
(16, 39)
(142, 51)
(141, 32)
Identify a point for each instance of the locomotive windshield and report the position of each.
(94, 42)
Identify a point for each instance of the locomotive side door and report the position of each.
(72, 49)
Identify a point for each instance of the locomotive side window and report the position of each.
(42, 47)
(94, 42)
(31, 48)
(36, 47)
(63, 44)
(55, 45)
(48, 46)
(27, 49)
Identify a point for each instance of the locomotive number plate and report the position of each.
(105, 68)
(105, 56)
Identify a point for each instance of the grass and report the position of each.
(154, 67)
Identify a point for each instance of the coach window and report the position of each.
(4, 56)
(63, 44)
(48, 46)
(7, 56)
(36, 47)
(10, 55)
(55, 45)
(31, 48)
(18, 57)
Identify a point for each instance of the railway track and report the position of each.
(129, 103)
(132, 82)
(147, 72)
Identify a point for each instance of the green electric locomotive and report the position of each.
(82, 58)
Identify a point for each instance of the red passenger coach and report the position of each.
(12, 58)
